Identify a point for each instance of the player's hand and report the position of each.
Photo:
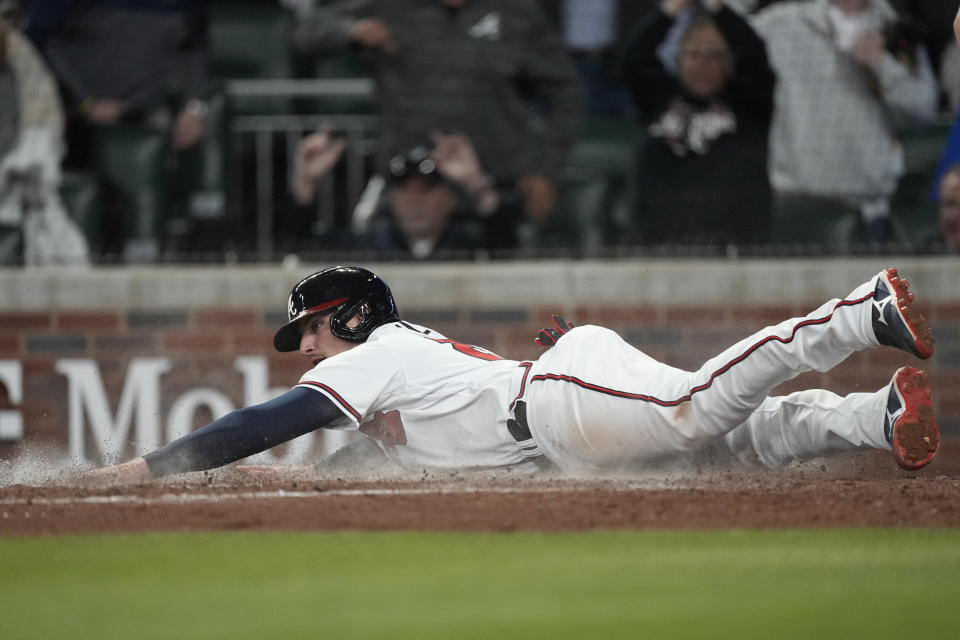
(374, 33)
(549, 336)
(130, 472)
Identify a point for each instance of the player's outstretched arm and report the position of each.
(235, 436)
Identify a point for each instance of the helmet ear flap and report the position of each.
(339, 321)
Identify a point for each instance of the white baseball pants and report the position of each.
(594, 401)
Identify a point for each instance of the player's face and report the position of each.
(317, 343)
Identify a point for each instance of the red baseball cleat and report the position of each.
(908, 423)
(896, 322)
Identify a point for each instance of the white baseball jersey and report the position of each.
(452, 398)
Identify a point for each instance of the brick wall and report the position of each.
(200, 336)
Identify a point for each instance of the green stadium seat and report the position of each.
(606, 145)
(337, 65)
(580, 221)
(815, 222)
(251, 40)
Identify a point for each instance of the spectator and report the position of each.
(842, 95)
(133, 62)
(434, 203)
(702, 165)
(948, 157)
(933, 19)
(34, 225)
(593, 31)
(475, 66)
(949, 209)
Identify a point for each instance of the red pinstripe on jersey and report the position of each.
(336, 397)
(713, 376)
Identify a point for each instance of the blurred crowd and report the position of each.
(504, 127)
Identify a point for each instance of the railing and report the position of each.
(266, 132)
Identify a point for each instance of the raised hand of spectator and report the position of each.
(956, 29)
(187, 129)
(104, 111)
(457, 160)
(869, 48)
(313, 158)
(673, 8)
(539, 196)
(374, 33)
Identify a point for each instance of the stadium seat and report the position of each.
(336, 65)
(914, 211)
(251, 40)
(814, 222)
(580, 221)
(605, 150)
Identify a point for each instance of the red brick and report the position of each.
(134, 343)
(286, 371)
(613, 316)
(757, 317)
(889, 359)
(695, 315)
(250, 341)
(227, 318)
(517, 344)
(9, 346)
(194, 341)
(944, 380)
(38, 366)
(809, 380)
(88, 320)
(18, 321)
(945, 313)
(542, 316)
(212, 368)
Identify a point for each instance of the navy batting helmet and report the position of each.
(345, 291)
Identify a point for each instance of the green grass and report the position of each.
(662, 584)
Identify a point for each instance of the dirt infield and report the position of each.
(856, 490)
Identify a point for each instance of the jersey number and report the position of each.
(469, 349)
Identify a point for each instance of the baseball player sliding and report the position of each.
(590, 402)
